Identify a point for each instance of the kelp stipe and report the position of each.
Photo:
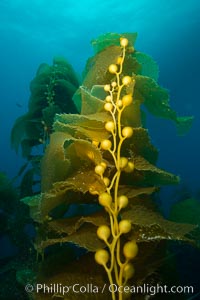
(103, 158)
(118, 268)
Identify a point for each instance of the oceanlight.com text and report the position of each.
(147, 289)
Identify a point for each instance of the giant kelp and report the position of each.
(51, 90)
(79, 168)
(147, 91)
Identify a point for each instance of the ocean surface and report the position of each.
(34, 31)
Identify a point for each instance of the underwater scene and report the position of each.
(99, 165)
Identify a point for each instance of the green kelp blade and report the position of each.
(77, 230)
(132, 115)
(132, 192)
(146, 174)
(112, 39)
(80, 132)
(34, 203)
(72, 225)
(140, 144)
(57, 200)
(96, 70)
(91, 121)
(48, 114)
(183, 124)
(65, 70)
(79, 274)
(83, 126)
(85, 237)
(86, 103)
(43, 68)
(149, 225)
(55, 166)
(82, 153)
(156, 100)
(99, 92)
(81, 181)
(39, 88)
(40, 205)
(64, 156)
(153, 175)
(149, 66)
(64, 89)
(154, 97)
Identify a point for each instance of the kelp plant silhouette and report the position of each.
(51, 92)
(99, 174)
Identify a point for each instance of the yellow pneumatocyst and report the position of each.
(130, 249)
(122, 201)
(128, 271)
(114, 84)
(103, 232)
(101, 257)
(107, 87)
(124, 42)
(110, 126)
(119, 60)
(103, 164)
(123, 162)
(119, 103)
(106, 144)
(112, 68)
(126, 80)
(124, 226)
(106, 181)
(105, 199)
(127, 132)
(127, 100)
(130, 167)
(108, 98)
(108, 106)
(99, 169)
